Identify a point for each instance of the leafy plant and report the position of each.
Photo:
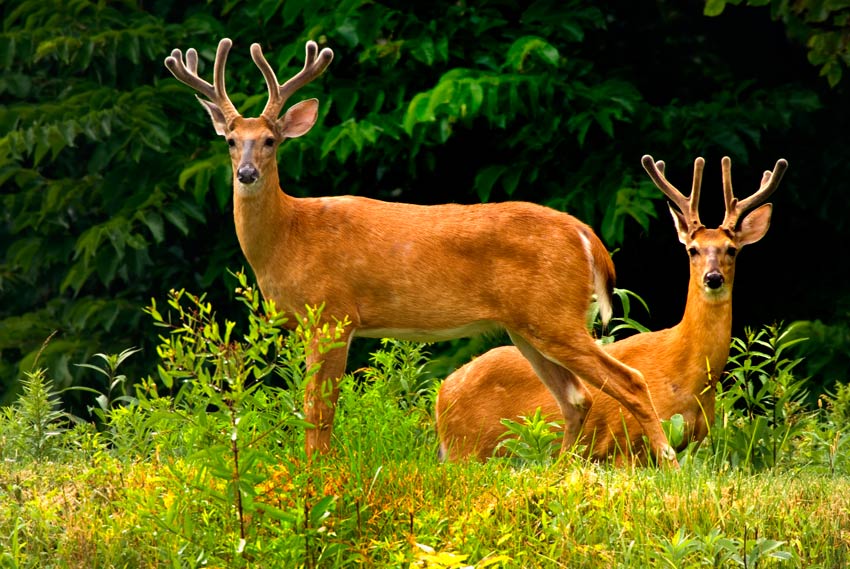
(116, 383)
(33, 426)
(402, 366)
(760, 411)
(222, 407)
(535, 440)
(821, 26)
(180, 495)
(824, 353)
(618, 323)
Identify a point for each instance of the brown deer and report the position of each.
(681, 364)
(409, 271)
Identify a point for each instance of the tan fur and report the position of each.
(418, 272)
(675, 363)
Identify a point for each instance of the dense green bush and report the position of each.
(111, 173)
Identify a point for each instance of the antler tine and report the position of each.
(270, 77)
(187, 73)
(314, 65)
(728, 195)
(693, 203)
(734, 208)
(223, 101)
(688, 206)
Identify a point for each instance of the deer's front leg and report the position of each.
(321, 394)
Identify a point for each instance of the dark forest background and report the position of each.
(116, 189)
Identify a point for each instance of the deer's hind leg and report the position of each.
(569, 391)
(580, 355)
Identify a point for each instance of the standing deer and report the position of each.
(409, 271)
(681, 364)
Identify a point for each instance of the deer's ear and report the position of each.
(299, 119)
(216, 115)
(681, 224)
(754, 225)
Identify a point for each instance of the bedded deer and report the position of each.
(681, 364)
(410, 271)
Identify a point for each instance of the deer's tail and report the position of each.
(604, 276)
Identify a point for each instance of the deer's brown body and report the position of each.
(410, 271)
(681, 364)
(428, 253)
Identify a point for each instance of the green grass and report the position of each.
(205, 468)
(383, 499)
(358, 508)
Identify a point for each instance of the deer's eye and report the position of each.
(731, 251)
(692, 251)
(270, 142)
(231, 142)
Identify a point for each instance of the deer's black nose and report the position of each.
(247, 174)
(713, 280)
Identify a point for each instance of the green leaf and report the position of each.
(322, 510)
(424, 50)
(524, 47)
(714, 7)
(344, 101)
(510, 180)
(276, 513)
(485, 179)
(177, 218)
(155, 225)
(419, 110)
(291, 10)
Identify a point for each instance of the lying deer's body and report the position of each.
(407, 271)
(681, 364)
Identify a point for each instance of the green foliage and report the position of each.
(674, 428)
(824, 353)
(32, 427)
(760, 411)
(211, 471)
(534, 441)
(402, 366)
(820, 25)
(116, 383)
(838, 405)
(716, 550)
(110, 171)
(618, 324)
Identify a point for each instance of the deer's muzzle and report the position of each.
(713, 280)
(247, 173)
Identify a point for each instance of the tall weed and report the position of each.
(760, 411)
(32, 427)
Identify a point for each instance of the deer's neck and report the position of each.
(261, 215)
(706, 327)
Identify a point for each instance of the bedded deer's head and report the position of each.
(713, 252)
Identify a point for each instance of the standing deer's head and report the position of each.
(253, 142)
(713, 252)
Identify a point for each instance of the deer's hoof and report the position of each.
(668, 457)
